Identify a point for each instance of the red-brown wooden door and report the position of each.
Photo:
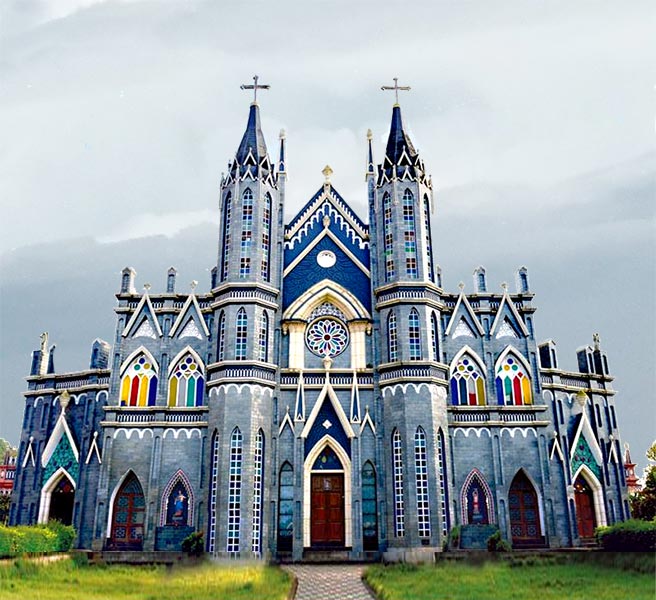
(585, 513)
(327, 518)
(128, 516)
(524, 512)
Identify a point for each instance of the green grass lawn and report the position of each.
(66, 581)
(502, 581)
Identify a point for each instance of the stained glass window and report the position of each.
(467, 383)
(246, 233)
(187, 383)
(435, 338)
(414, 335)
(139, 383)
(442, 481)
(327, 337)
(392, 338)
(214, 493)
(421, 478)
(234, 493)
(388, 237)
(242, 335)
(399, 507)
(227, 215)
(513, 383)
(285, 507)
(427, 228)
(409, 234)
(263, 337)
(220, 350)
(266, 236)
(369, 512)
(258, 461)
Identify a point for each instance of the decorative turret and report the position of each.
(632, 483)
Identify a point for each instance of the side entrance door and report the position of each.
(327, 516)
(585, 514)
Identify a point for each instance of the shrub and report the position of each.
(633, 536)
(36, 539)
(65, 535)
(454, 537)
(495, 543)
(193, 544)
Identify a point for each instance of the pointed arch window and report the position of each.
(442, 482)
(266, 237)
(421, 479)
(177, 502)
(285, 507)
(369, 511)
(435, 337)
(409, 235)
(234, 492)
(187, 382)
(246, 233)
(399, 507)
(512, 382)
(258, 468)
(214, 493)
(467, 383)
(220, 349)
(388, 237)
(427, 230)
(263, 337)
(139, 382)
(392, 338)
(242, 335)
(414, 335)
(227, 216)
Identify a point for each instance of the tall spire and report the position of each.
(398, 139)
(253, 139)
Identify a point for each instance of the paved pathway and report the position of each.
(329, 582)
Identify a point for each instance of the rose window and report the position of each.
(327, 337)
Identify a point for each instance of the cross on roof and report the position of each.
(396, 87)
(255, 86)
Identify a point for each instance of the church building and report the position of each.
(327, 394)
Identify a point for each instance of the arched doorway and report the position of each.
(476, 500)
(524, 513)
(327, 500)
(585, 509)
(128, 514)
(61, 502)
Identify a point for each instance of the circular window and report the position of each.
(327, 337)
(326, 259)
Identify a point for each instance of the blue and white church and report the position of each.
(327, 394)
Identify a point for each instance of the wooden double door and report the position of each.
(524, 513)
(585, 512)
(327, 510)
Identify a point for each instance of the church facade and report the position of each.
(326, 394)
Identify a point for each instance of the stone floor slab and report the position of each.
(329, 582)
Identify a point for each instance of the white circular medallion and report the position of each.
(326, 259)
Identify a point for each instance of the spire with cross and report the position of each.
(396, 87)
(255, 86)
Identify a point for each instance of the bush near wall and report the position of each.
(630, 536)
(37, 539)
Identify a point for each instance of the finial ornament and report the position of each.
(44, 342)
(461, 285)
(327, 172)
(370, 135)
(193, 285)
(396, 87)
(147, 287)
(596, 340)
(283, 134)
(64, 399)
(504, 286)
(255, 86)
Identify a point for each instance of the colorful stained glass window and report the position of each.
(227, 216)
(421, 478)
(246, 233)
(263, 337)
(369, 510)
(513, 383)
(266, 236)
(399, 507)
(414, 335)
(392, 338)
(242, 335)
(327, 337)
(187, 383)
(139, 383)
(409, 235)
(234, 492)
(220, 350)
(467, 383)
(388, 237)
(427, 230)
(285, 507)
(258, 462)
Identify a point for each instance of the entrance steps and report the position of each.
(325, 556)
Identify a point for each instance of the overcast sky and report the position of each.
(534, 118)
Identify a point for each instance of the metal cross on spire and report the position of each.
(396, 87)
(256, 86)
